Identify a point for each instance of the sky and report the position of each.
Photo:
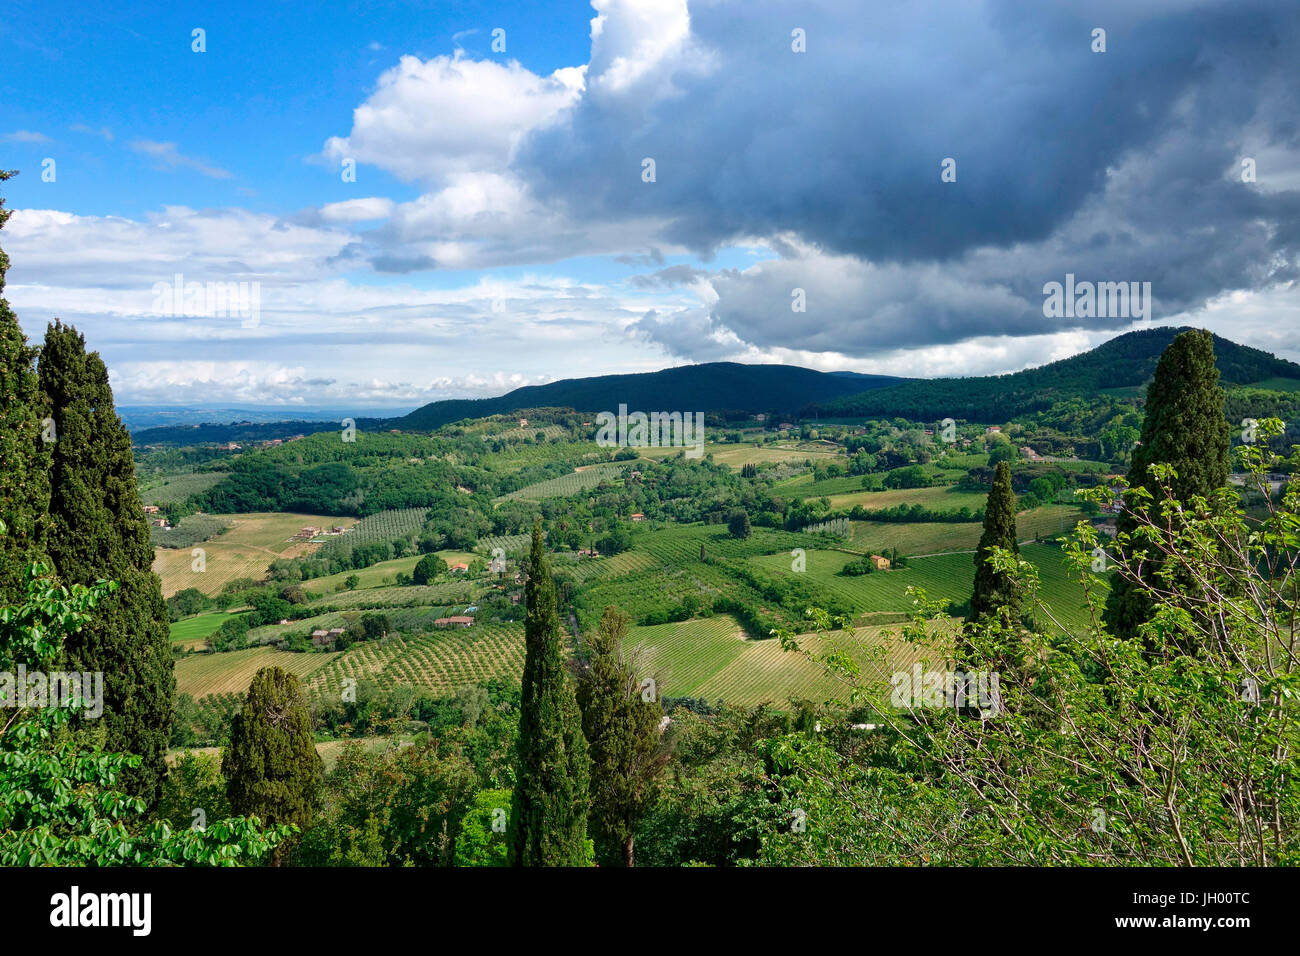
(430, 200)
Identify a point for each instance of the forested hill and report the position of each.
(1126, 361)
(711, 387)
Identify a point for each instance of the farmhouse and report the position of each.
(456, 620)
(638, 516)
(880, 561)
(151, 509)
(462, 567)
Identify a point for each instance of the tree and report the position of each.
(428, 568)
(97, 530)
(271, 765)
(1001, 451)
(24, 482)
(996, 593)
(1184, 428)
(481, 840)
(621, 725)
(59, 802)
(548, 810)
(738, 524)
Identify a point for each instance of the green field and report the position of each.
(246, 550)
(198, 627)
(203, 675)
(712, 658)
(925, 537)
(169, 489)
(580, 480)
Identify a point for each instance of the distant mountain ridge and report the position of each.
(1124, 362)
(710, 387)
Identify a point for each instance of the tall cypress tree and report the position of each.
(271, 766)
(995, 591)
(548, 812)
(622, 731)
(24, 484)
(97, 530)
(1184, 427)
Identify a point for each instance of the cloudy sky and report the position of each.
(452, 199)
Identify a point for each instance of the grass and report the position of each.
(737, 456)
(939, 498)
(439, 662)
(246, 550)
(577, 481)
(199, 627)
(203, 675)
(167, 489)
(712, 658)
(925, 537)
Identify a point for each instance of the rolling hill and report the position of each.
(711, 387)
(1123, 363)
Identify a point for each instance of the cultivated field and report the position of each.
(202, 675)
(712, 658)
(168, 489)
(246, 550)
(574, 483)
(439, 662)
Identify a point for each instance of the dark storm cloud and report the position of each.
(1121, 165)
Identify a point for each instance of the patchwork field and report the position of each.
(933, 537)
(439, 662)
(737, 456)
(173, 488)
(245, 550)
(579, 480)
(712, 658)
(202, 675)
(195, 630)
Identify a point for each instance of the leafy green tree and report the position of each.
(428, 568)
(1180, 759)
(996, 593)
(621, 724)
(194, 783)
(548, 812)
(738, 524)
(271, 765)
(1184, 428)
(97, 530)
(24, 482)
(1001, 451)
(481, 840)
(60, 804)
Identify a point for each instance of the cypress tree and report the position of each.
(622, 731)
(96, 529)
(548, 810)
(1184, 427)
(995, 591)
(24, 484)
(271, 766)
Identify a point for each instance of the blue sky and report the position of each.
(500, 229)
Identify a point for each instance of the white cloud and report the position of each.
(429, 119)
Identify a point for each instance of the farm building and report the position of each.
(638, 516)
(880, 561)
(456, 620)
(151, 509)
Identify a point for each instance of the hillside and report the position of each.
(712, 387)
(1125, 362)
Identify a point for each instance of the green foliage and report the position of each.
(428, 568)
(60, 802)
(738, 524)
(24, 483)
(996, 593)
(98, 531)
(621, 724)
(271, 765)
(548, 814)
(481, 840)
(1184, 429)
